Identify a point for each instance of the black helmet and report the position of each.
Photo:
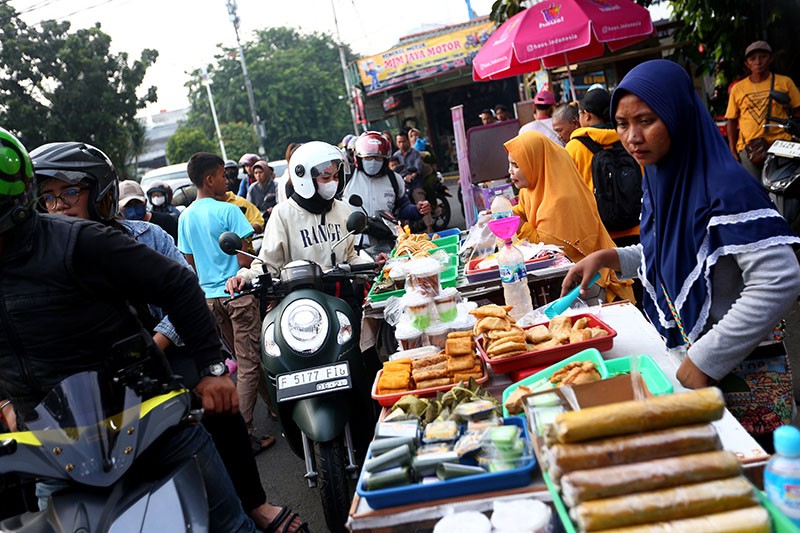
(161, 187)
(74, 162)
(230, 163)
(17, 188)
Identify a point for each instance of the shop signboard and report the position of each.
(422, 59)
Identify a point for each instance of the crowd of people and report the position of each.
(714, 260)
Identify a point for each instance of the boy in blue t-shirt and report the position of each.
(199, 228)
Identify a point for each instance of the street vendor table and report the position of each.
(635, 335)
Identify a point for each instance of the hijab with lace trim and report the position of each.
(698, 204)
(557, 207)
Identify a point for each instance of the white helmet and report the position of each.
(313, 159)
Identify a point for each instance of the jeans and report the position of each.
(172, 449)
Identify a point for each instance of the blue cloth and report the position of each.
(698, 204)
(159, 240)
(243, 186)
(199, 227)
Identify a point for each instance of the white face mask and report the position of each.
(158, 200)
(327, 190)
(372, 167)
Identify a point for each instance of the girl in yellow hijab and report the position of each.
(556, 207)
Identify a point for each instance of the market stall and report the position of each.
(632, 335)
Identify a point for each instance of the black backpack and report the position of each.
(617, 181)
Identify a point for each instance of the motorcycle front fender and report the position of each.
(322, 418)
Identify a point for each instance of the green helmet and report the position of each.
(17, 189)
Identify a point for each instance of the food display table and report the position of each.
(635, 335)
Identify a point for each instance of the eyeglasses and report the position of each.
(68, 197)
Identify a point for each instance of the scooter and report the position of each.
(89, 431)
(781, 172)
(315, 372)
(381, 228)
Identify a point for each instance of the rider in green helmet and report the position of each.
(17, 189)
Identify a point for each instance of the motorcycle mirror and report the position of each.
(781, 97)
(356, 222)
(230, 243)
(356, 201)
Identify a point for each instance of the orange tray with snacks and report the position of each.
(549, 356)
(388, 400)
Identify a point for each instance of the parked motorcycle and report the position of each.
(315, 372)
(781, 172)
(89, 431)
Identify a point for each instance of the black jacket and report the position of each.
(65, 286)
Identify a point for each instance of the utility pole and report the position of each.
(343, 63)
(207, 83)
(259, 128)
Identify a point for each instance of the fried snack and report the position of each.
(463, 363)
(514, 331)
(490, 323)
(537, 334)
(459, 334)
(563, 458)
(458, 376)
(560, 322)
(438, 382)
(394, 381)
(747, 520)
(490, 310)
(552, 343)
(514, 401)
(597, 483)
(636, 416)
(433, 373)
(459, 346)
(598, 332)
(666, 504)
(581, 323)
(508, 354)
(430, 360)
(397, 363)
(497, 348)
(575, 374)
(580, 335)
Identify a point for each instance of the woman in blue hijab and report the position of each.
(715, 256)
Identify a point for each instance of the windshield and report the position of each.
(88, 428)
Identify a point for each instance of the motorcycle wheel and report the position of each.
(442, 220)
(334, 484)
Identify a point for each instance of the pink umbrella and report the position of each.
(557, 32)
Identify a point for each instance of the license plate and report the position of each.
(313, 381)
(785, 149)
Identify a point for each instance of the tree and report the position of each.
(298, 86)
(186, 141)
(239, 139)
(57, 85)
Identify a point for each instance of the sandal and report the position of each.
(259, 444)
(286, 515)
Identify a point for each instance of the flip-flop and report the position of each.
(259, 444)
(286, 515)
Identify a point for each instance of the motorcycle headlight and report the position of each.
(345, 328)
(304, 325)
(270, 346)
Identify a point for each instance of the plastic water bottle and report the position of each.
(514, 276)
(501, 206)
(782, 475)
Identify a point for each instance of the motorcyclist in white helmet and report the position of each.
(311, 221)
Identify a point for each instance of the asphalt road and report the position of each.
(282, 471)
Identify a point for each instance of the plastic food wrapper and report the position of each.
(480, 242)
(749, 519)
(562, 458)
(440, 431)
(667, 504)
(598, 483)
(466, 522)
(636, 416)
(423, 276)
(469, 442)
(517, 516)
(476, 410)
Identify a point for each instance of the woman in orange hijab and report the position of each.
(556, 207)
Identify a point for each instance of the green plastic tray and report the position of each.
(590, 354)
(444, 241)
(448, 278)
(657, 382)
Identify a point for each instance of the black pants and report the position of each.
(229, 433)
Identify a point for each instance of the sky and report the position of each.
(187, 32)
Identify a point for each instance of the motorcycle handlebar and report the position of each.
(363, 267)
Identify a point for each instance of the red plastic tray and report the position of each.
(550, 356)
(388, 400)
(483, 274)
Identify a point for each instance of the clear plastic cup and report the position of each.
(409, 338)
(437, 335)
(447, 304)
(423, 276)
(419, 311)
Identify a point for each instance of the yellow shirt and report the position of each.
(251, 212)
(748, 104)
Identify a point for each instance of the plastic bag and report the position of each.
(480, 242)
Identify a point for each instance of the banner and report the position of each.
(423, 59)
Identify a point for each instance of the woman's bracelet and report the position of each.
(4, 405)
